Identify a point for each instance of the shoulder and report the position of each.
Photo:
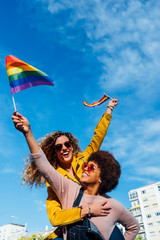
(115, 205)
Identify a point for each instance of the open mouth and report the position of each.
(85, 174)
(65, 154)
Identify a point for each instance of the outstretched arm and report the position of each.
(22, 124)
(100, 130)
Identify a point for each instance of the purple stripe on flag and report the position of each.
(28, 85)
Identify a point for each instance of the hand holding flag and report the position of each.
(95, 104)
(21, 123)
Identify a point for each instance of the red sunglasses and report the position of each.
(90, 168)
(59, 146)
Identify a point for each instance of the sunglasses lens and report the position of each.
(58, 147)
(67, 144)
(91, 168)
(84, 166)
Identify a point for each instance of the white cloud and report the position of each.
(136, 146)
(123, 35)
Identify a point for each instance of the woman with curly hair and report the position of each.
(100, 175)
(63, 152)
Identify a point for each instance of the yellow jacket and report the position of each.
(57, 215)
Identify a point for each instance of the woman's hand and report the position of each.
(100, 209)
(96, 209)
(20, 122)
(111, 105)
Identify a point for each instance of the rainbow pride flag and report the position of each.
(22, 75)
(102, 100)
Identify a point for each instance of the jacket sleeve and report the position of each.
(99, 134)
(57, 215)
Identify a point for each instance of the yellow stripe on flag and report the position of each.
(20, 69)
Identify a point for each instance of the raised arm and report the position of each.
(54, 178)
(22, 124)
(101, 129)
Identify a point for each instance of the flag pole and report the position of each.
(14, 103)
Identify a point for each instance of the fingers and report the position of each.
(16, 120)
(114, 101)
(106, 205)
(104, 202)
(17, 116)
(105, 213)
(106, 208)
(15, 112)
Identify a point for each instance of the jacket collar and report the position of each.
(64, 173)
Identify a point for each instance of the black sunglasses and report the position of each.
(59, 146)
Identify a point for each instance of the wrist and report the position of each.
(85, 211)
(89, 211)
(27, 133)
(111, 107)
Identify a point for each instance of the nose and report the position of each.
(64, 147)
(86, 168)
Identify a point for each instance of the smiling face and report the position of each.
(63, 149)
(91, 174)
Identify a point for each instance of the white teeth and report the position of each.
(65, 154)
(85, 174)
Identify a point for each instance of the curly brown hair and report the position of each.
(110, 170)
(31, 175)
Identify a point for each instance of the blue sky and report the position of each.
(88, 48)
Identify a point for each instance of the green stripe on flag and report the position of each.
(26, 74)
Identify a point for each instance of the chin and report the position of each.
(82, 180)
(82, 183)
(66, 160)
